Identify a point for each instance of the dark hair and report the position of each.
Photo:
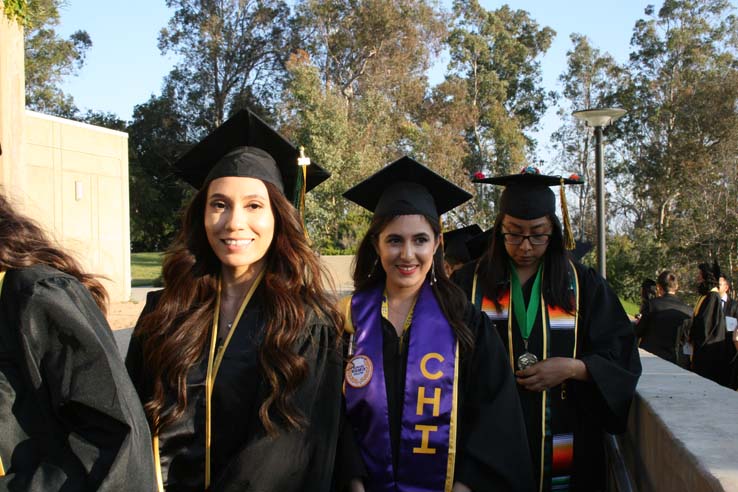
(667, 281)
(175, 334)
(710, 276)
(493, 269)
(368, 273)
(23, 243)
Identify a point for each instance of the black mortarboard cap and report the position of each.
(246, 146)
(406, 187)
(454, 243)
(581, 248)
(479, 243)
(527, 194)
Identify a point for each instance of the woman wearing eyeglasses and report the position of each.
(569, 341)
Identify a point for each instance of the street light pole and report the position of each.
(600, 173)
(600, 118)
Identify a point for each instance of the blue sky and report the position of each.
(124, 66)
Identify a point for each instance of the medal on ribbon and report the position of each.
(525, 316)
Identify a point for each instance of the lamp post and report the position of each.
(598, 119)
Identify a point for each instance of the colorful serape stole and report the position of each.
(559, 339)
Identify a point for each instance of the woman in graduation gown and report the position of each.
(430, 400)
(568, 338)
(237, 359)
(712, 345)
(69, 416)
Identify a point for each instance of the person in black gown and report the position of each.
(69, 416)
(571, 344)
(430, 400)
(665, 321)
(712, 346)
(237, 359)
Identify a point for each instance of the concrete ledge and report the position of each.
(682, 431)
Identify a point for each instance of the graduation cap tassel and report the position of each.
(568, 235)
(300, 185)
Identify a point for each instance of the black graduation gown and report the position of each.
(662, 326)
(713, 348)
(243, 458)
(69, 416)
(607, 346)
(491, 454)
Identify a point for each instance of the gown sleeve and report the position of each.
(492, 444)
(610, 352)
(73, 361)
(298, 460)
(134, 356)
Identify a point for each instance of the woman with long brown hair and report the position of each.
(570, 343)
(69, 417)
(236, 360)
(430, 400)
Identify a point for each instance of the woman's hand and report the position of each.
(356, 485)
(460, 487)
(551, 372)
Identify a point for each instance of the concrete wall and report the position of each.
(77, 188)
(682, 432)
(12, 105)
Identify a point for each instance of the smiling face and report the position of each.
(239, 223)
(525, 254)
(406, 247)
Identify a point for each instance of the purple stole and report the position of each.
(428, 431)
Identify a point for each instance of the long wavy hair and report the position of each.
(493, 269)
(175, 335)
(368, 273)
(23, 244)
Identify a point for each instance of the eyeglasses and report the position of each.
(534, 239)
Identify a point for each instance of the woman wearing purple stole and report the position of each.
(430, 400)
(570, 342)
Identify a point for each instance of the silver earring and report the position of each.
(433, 273)
(374, 268)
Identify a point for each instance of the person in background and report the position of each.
(430, 399)
(568, 338)
(237, 360)
(665, 321)
(712, 349)
(648, 292)
(455, 251)
(728, 302)
(69, 416)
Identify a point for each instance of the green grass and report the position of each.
(630, 307)
(145, 268)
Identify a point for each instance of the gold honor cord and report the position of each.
(214, 364)
(157, 463)
(544, 320)
(453, 426)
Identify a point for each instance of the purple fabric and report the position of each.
(422, 466)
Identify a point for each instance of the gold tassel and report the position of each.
(302, 162)
(568, 235)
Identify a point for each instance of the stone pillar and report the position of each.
(12, 108)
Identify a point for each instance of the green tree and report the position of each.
(588, 82)
(49, 59)
(157, 137)
(680, 133)
(355, 98)
(231, 55)
(494, 55)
